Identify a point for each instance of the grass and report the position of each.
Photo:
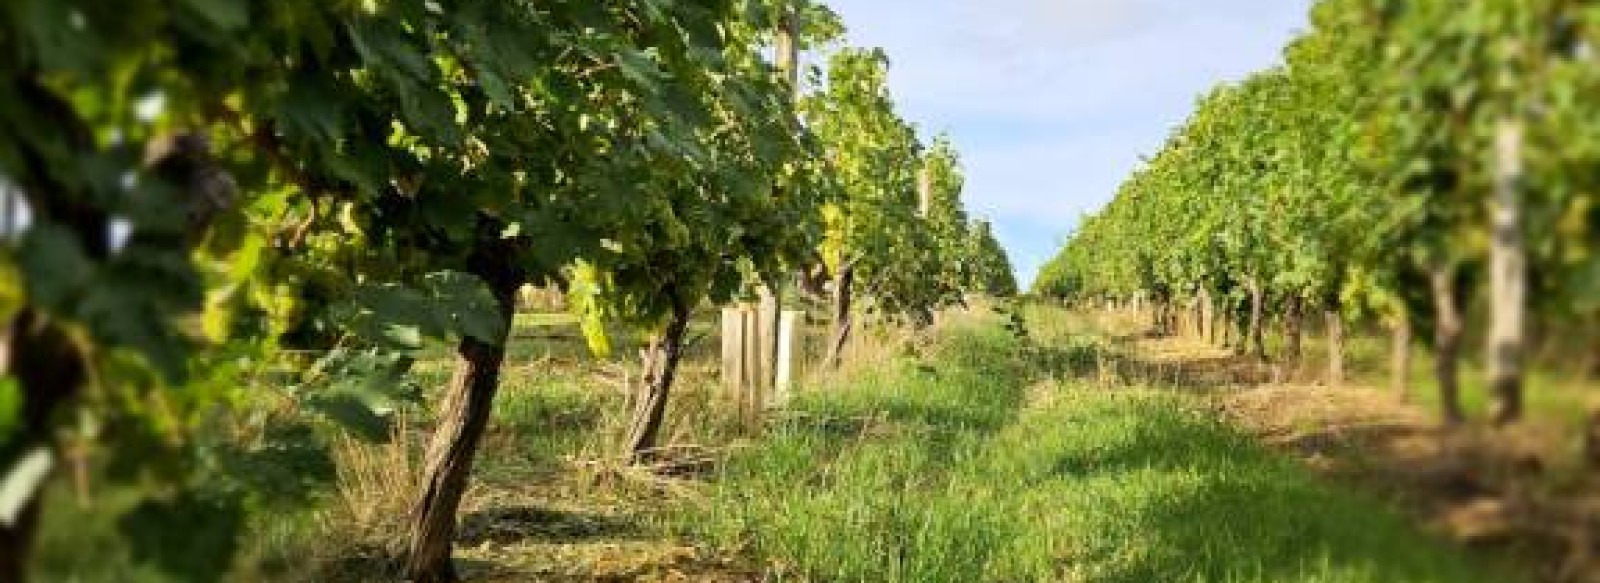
(1553, 396)
(963, 454)
(551, 419)
(951, 469)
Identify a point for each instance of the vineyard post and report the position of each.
(789, 352)
(1197, 310)
(768, 313)
(1294, 330)
(771, 313)
(1256, 345)
(754, 371)
(733, 354)
(1400, 356)
(1335, 331)
(1508, 275)
(924, 191)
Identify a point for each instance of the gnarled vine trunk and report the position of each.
(645, 430)
(1294, 331)
(1446, 340)
(1219, 325)
(463, 417)
(1508, 276)
(842, 320)
(1229, 324)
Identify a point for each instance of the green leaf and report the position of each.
(465, 303)
(390, 315)
(286, 469)
(429, 112)
(191, 537)
(60, 35)
(399, 316)
(12, 292)
(10, 408)
(54, 267)
(353, 412)
(230, 14)
(360, 390)
(310, 108)
(133, 300)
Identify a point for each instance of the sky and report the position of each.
(1052, 103)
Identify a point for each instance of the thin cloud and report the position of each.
(1064, 24)
(1052, 102)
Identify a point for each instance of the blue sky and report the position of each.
(1053, 102)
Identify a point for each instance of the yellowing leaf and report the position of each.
(584, 297)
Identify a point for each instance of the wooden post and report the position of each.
(767, 323)
(788, 50)
(1335, 329)
(1400, 357)
(924, 191)
(764, 339)
(788, 356)
(733, 352)
(1508, 275)
(1257, 347)
(753, 361)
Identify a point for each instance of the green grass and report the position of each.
(1550, 397)
(551, 419)
(526, 320)
(962, 465)
(1553, 395)
(944, 472)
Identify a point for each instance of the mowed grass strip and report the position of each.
(945, 470)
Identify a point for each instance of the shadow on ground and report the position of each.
(533, 524)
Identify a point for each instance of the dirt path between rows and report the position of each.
(1491, 490)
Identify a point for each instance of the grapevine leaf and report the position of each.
(54, 267)
(191, 536)
(229, 14)
(10, 408)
